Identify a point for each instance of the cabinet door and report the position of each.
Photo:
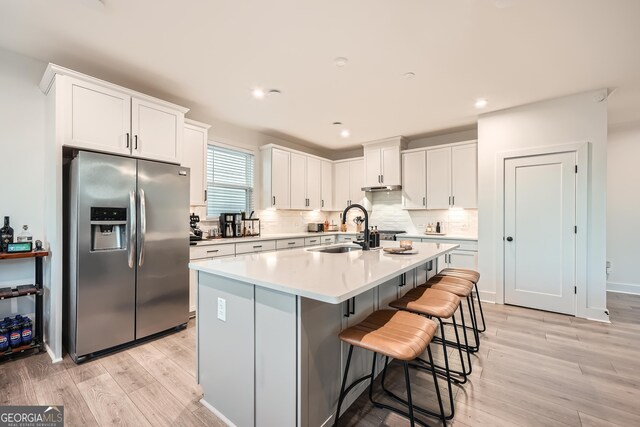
(280, 179)
(99, 118)
(388, 292)
(194, 157)
(297, 183)
(327, 186)
(463, 259)
(414, 180)
(372, 162)
(438, 178)
(314, 183)
(390, 166)
(341, 185)
(464, 176)
(157, 131)
(356, 177)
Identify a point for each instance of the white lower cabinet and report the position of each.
(328, 240)
(202, 253)
(255, 247)
(313, 241)
(289, 244)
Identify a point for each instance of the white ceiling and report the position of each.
(208, 56)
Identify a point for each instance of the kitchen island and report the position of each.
(268, 351)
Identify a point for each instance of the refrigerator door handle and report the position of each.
(143, 226)
(132, 228)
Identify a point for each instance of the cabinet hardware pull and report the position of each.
(127, 139)
(274, 200)
(291, 243)
(312, 241)
(348, 308)
(353, 306)
(322, 203)
(257, 247)
(135, 138)
(382, 179)
(424, 201)
(205, 195)
(213, 251)
(453, 200)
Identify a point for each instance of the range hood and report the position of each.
(383, 188)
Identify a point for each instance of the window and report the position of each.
(229, 180)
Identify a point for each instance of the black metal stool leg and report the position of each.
(435, 382)
(462, 364)
(484, 325)
(409, 400)
(342, 387)
(474, 323)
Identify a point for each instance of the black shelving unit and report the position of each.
(23, 291)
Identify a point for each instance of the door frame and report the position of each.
(581, 150)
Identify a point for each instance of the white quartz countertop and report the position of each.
(441, 237)
(278, 236)
(327, 277)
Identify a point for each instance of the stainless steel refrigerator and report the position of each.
(127, 251)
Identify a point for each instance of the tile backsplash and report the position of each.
(386, 214)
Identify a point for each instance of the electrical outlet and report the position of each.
(222, 309)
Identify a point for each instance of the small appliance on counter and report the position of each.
(195, 233)
(315, 227)
(237, 225)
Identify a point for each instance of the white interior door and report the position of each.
(540, 241)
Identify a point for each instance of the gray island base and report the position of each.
(268, 351)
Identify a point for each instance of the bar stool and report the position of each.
(472, 276)
(438, 304)
(396, 334)
(462, 288)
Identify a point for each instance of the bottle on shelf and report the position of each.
(438, 227)
(26, 331)
(4, 337)
(24, 235)
(372, 238)
(377, 237)
(326, 224)
(6, 234)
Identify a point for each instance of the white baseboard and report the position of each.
(623, 288)
(597, 314)
(53, 357)
(487, 296)
(217, 413)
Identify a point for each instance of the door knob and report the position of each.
(509, 239)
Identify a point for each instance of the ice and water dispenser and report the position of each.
(108, 229)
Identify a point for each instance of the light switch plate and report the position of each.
(222, 309)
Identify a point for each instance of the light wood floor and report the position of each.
(533, 369)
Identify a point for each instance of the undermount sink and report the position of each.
(340, 249)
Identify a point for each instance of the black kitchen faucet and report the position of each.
(365, 244)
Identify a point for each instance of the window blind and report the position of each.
(230, 176)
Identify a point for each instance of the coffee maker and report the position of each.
(228, 225)
(195, 233)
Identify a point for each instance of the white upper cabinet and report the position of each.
(275, 178)
(382, 162)
(341, 186)
(326, 202)
(452, 177)
(464, 173)
(439, 178)
(414, 180)
(314, 183)
(195, 158)
(98, 118)
(298, 181)
(348, 183)
(157, 131)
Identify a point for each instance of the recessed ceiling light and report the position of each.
(345, 133)
(409, 75)
(481, 103)
(274, 92)
(340, 61)
(258, 93)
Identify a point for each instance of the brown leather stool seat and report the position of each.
(455, 285)
(428, 301)
(464, 273)
(397, 334)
